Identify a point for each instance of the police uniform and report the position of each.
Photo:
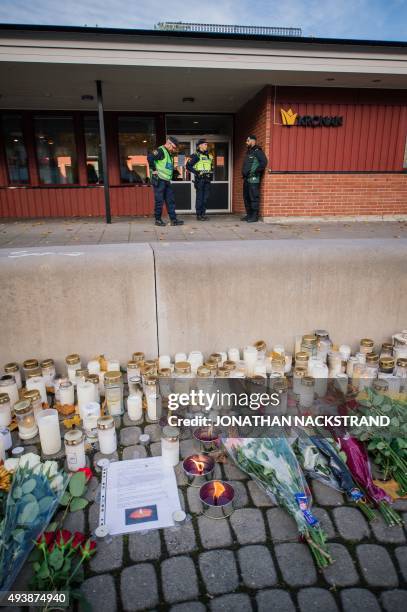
(254, 165)
(200, 164)
(161, 161)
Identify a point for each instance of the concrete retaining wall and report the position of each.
(87, 299)
(210, 295)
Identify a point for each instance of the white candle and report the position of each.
(250, 359)
(50, 433)
(345, 352)
(5, 410)
(93, 366)
(107, 435)
(75, 450)
(86, 393)
(37, 382)
(90, 416)
(170, 446)
(2, 450)
(113, 365)
(14, 370)
(164, 361)
(66, 393)
(233, 354)
(135, 407)
(8, 385)
(152, 401)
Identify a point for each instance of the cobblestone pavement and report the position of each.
(251, 561)
(61, 232)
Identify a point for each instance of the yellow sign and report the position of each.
(288, 117)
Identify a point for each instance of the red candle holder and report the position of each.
(198, 469)
(217, 499)
(208, 439)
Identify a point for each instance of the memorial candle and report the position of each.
(75, 450)
(107, 435)
(5, 410)
(90, 416)
(50, 433)
(250, 359)
(86, 393)
(14, 370)
(27, 427)
(135, 407)
(8, 385)
(37, 382)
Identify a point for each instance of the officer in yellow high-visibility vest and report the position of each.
(200, 164)
(161, 164)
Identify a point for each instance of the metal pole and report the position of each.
(105, 168)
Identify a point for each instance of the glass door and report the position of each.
(182, 179)
(220, 149)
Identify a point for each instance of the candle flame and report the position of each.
(218, 489)
(200, 465)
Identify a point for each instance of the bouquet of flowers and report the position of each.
(320, 459)
(271, 462)
(34, 496)
(358, 463)
(388, 447)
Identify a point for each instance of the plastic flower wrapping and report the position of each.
(271, 462)
(322, 460)
(32, 500)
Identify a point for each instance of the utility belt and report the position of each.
(155, 180)
(204, 176)
(253, 180)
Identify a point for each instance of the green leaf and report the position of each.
(56, 558)
(64, 501)
(77, 484)
(29, 513)
(43, 572)
(52, 526)
(18, 535)
(78, 503)
(36, 566)
(67, 565)
(45, 503)
(29, 486)
(17, 492)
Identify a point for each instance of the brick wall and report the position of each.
(311, 194)
(334, 194)
(252, 118)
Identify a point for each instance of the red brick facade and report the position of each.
(313, 193)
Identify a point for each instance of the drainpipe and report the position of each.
(102, 134)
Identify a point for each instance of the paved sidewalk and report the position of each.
(65, 232)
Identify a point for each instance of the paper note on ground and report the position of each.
(141, 494)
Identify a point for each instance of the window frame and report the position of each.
(128, 114)
(3, 155)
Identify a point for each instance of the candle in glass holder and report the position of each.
(29, 366)
(14, 369)
(170, 445)
(90, 416)
(113, 365)
(66, 393)
(5, 410)
(180, 357)
(307, 392)
(114, 392)
(73, 363)
(234, 354)
(50, 433)
(94, 379)
(34, 396)
(86, 393)
(250, 359)
(75, 450)
(107, 435)
(93, 366)
(8, 385)
(135, 407)
(153, 407)
(27, 427)
(133, 369)
(48, 371)
(37, 382)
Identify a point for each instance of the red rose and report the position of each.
(45, 538)
(88, 549)
(88, 473)
(78, 539)
(62, 537)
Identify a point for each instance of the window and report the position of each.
(16, 154)
(94, 165)
(136, 137)
(56, 150)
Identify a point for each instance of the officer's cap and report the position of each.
(173, 140)
(201, 141)
(252, 137)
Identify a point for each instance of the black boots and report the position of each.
(245, 218)
(253, 219)
(202, 218)
(160, 223)
(177, 222)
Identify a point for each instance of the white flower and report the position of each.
(11, 464)
(30, 460)
(57, 483)
(50, 468)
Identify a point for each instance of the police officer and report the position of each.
(200, 164)
(254, 165)
(161, 164)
